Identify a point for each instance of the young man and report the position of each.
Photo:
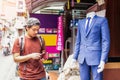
(30, 65)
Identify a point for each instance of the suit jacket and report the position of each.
(94, 45)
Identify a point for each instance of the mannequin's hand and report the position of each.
(74, 60)
(74, 63)
(101, 67)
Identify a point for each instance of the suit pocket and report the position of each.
(94, 48)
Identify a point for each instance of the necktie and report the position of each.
(87, 26)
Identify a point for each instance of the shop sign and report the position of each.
(47, 62)
(53, 55)
(21, 6)
(48, 30)
(59, 44)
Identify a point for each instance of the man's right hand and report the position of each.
(35, 55)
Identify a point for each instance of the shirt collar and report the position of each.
(91, 14)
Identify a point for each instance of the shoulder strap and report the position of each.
(21, 43)
(42, 42)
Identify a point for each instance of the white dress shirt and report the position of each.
(91, 15)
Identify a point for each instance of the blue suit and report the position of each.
(92, 47)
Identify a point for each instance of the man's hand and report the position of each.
(35, 55)
(101, 67)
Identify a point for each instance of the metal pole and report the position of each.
(62, 59)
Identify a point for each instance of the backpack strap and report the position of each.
(42, 43)
(41, 40)
(21, 43)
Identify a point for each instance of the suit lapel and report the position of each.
(83, 26)
(92, 24)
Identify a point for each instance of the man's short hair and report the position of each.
(32, 21)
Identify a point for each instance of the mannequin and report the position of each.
(92, 47)
(102, 63)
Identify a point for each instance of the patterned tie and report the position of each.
(87, 26)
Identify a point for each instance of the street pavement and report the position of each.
(7, 68)
(53, 75)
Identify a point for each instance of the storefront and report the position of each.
(110, 10)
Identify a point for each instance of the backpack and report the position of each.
(22, 42)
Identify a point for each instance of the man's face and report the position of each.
(33, 31)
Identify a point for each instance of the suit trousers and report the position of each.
(89, 72)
